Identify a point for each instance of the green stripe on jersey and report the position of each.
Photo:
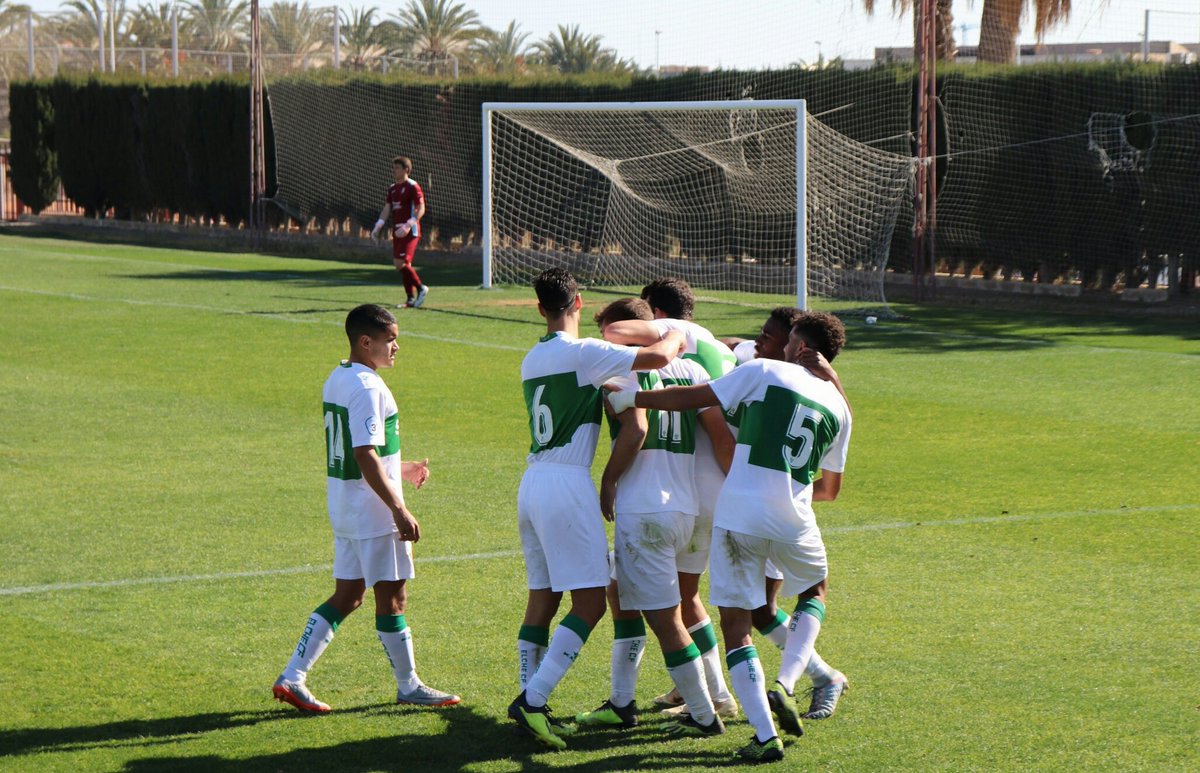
(557, 407)
(788, 432)
(716, 359)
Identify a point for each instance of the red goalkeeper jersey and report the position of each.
(406, 199)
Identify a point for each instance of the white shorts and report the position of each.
(771, 572)
(562, 530)
(708, 487)
(647, 547)
(372, 560)
(739, 564)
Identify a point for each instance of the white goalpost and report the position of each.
(750, 195)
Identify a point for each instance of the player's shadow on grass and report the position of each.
(138, 732)
(471, 739)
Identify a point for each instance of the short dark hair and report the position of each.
(671, 295)
(403, 161)
(784, 316)
(556, 290)
(368, 319)
(623, 309)
(822, 331)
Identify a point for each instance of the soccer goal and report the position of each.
(723, 194)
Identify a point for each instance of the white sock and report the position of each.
(687, 672)
(398, 646)
(626, 660)
(564, 647)
(318, 632)
(820, 672)
(745, 671)
(531, 648)
(801, 639)
(778, 631)
(706, 640)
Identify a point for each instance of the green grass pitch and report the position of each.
(1015, 556)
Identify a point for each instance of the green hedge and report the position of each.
(134, 147)
(1021, 191)
(34, 161)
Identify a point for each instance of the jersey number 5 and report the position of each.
(798, 450)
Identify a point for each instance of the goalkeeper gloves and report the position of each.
(375, 231)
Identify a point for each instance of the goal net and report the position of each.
(731, 195)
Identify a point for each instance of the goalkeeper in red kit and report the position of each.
(406, 206)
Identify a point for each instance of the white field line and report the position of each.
(859, 528)
(26, 590)
(300, 275)
(282, 317)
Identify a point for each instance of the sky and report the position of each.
(758, 34)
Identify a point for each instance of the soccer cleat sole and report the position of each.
(453, 700)
(725, 709)
(284, 695)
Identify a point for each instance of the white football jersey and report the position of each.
(359, 411)
(561, 377)
(662, 475)
(793, 425)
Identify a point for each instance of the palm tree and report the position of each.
(292, 28)
(219, 24)
(570, 51)
(79, 22)
(362, 39)
(151, 25)
(436, 30)
(502, 53)
(1001, 25)
(12, 15)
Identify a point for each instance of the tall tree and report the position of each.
(151, 25)
(296, 28)
(1000, 26)
(436, 29)
(570, 51)
(220, 25)
(362, 39)
(502, 52)
(79, 21)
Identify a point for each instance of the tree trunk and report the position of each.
(947, 47)
(997, 40)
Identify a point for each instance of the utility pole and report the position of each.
(258, 175)
(657, 68)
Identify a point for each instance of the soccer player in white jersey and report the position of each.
(649, 485)
(558, 511)
(794, 426)
(373, 530)
(825, 337)
(672, 303)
